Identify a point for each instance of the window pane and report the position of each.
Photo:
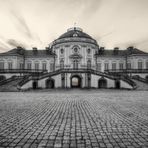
(99, 66)
(10, 65)
(1, 65)
(28, 65)
(146, 64)
(113, 66)
(128, 65)
(88, 64)
(106, 66)
(51, 66)
(44, 66)
(139, 64)
(61, 64)
(120, 65)
(36, 66)
(21, 65)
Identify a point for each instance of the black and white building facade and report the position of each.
(74, 60)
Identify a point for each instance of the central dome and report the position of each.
(75, 32)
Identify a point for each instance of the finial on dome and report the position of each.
(74, 25)
(74, 28)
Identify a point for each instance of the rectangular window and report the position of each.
(1, 65)
(146, 64)
(98, 66)
(9, 65)
(106, 66)
(21, 66)
(36, 66)
(128, 65)
(120, 66)
(28, 65)
(114, 66)
(44, 66)
(51, 66)
(140, 65)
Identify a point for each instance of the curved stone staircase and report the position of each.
(14, 83)
(91, 71)
(141, 83)
(10, 84)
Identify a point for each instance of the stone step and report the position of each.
(140, 85)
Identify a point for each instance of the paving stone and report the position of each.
(74, 119)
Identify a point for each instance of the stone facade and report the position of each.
(76, 53)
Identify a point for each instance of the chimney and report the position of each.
(34, 48)
(116, 50)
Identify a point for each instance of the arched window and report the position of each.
(44, 65)
(21, 65)
(88, 50)
(129, 65)
(75, 64)
(106, 65)
(147, 64)
(121, 65)
(2, 66)
(89, 64)
(62, 51)
(140, 64)
(99, 66)
(114, 66)
(10, 65)
(36, 65)
(62, 64)
(29, 65)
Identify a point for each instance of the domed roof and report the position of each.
(75, 32)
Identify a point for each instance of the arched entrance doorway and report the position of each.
(35, 85)
(102, 83)
(117, 84)
(76, 81)
(50, 83)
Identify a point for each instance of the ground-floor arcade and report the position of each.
(76, 80)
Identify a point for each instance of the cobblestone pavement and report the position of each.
(75, 119)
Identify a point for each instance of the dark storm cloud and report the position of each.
(111, 22)
(15, 43)
(3, 45)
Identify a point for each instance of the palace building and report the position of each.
(74, 60)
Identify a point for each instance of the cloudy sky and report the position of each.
(36, 23)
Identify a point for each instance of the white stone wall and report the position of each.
(110, 60)
(7, 59)
(69, 50)
(135, 58)
(33, 60)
